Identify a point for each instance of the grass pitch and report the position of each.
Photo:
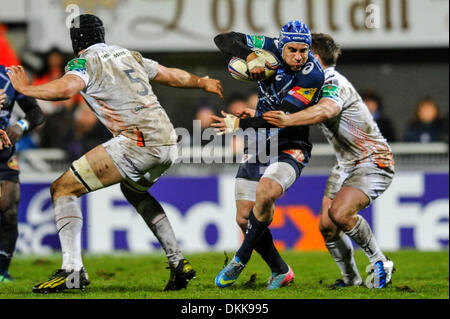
(419, 275)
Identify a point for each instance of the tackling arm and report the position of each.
(322, 111)
(61, 89)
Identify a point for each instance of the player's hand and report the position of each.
(4, 140)
(18, 77)
(277, 118)
(256, 66)
(14, 132)
(226, 124)
(245, 113)
(2, 98)
(211, 85)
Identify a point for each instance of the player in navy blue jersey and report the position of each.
(9, 169)
(260, 182)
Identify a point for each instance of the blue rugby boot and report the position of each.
(230, 273)
(280, 280)
(6, 278)
(381, 274)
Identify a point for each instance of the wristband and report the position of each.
(23, 124)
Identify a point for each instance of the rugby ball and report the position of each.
(238, 68)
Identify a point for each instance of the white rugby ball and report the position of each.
(238, 68)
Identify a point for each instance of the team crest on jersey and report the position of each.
(13, 163)
(303, 94)
(256, 41)
(330, 91)
(296, 154)
(76, 65)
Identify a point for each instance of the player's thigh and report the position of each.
(92, 171)
(348, 202)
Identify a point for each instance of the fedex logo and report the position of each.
(413, 213)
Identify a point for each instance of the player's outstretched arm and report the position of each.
(230, 123)
(182, 79)
(33, 118)
(322, 111)
(61, 89)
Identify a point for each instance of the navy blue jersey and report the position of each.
(5, 113)
(300, 89)
(11, 96)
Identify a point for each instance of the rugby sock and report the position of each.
(342, 252)
(363, 236)
(269, 253)
(8, 238)
(255, 230)
(5, 260)
(156, 219)
(69, 222)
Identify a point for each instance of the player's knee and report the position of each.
(266, 197)
(132, 196)
(59, 189)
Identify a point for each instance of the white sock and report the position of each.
(156, 219)
(342, 252)
(69, 222)
(363, 236)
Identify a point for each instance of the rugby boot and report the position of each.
(180, 276)
(230, 273)
(280, 280)
(380, 275)
(63, 279)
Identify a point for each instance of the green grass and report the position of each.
(419, 275)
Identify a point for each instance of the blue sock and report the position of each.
(254, 232)
(266, 248)
(8, 238)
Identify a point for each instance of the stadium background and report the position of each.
(403, 59)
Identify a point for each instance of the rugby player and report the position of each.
(259, 183)
(114, 82)
(9, 168)
(364, 168)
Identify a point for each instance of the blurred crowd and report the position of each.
(71, 125)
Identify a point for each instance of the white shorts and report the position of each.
(140, 166)
(370, 179)
(281, 172)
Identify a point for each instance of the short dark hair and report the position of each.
(328, 50)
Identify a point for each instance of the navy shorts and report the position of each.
(254, 170)
(9, 169)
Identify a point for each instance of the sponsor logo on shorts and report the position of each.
(296, 154)
(13, 163)
(125, 156)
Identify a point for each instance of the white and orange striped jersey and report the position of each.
(353, 133)
(118, 91)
